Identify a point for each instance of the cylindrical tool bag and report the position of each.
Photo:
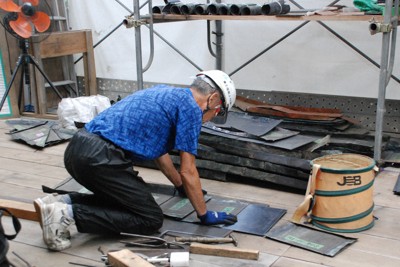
(343, 192)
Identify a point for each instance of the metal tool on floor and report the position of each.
(175, 233)
(150, 242)
(207, 240)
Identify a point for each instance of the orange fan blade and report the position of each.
(9, 5)
(41, 21)
(33, 2)
(22, 27)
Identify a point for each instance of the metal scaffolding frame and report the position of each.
(389, 34)
(388, 28)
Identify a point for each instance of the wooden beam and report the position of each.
(21, 210)
(126, 258)
(224, 251)
(63, 43)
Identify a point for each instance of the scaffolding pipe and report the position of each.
(138, 46)
(383, 77)
(356, 49)
(268, 48)
(209, 42)
(177, 51)
(394, 21)
(218, 44)
(151, 28)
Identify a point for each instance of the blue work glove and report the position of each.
(181, 191)
(215, 217)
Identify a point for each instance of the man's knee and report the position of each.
(153, 224)
(158, 220)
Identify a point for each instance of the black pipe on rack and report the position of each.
(176, 8)
(234, 9)
(275, 8)
(251, 9)
(188, 9)
(169, 5)
(224, 10)
(215, 8)
(201, 9)
(157, 9)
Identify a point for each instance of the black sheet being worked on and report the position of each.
(310, 239)
(178, 207)
(161, 198)
(231, 206)
(257, 219)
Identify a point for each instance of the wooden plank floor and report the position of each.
(23, 170)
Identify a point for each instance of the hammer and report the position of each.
(208, 240)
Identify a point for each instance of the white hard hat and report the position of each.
(225, 84)
(227, 87)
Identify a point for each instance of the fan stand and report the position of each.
(23, 60)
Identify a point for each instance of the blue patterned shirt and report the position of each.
(152, 122)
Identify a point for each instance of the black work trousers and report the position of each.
(121, 200)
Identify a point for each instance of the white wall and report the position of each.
(312, 60)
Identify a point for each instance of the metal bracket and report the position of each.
(130, 22)
(376, 27)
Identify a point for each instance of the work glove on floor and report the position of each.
(214, 217)
(180, 190)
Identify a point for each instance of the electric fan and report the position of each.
(23, 20)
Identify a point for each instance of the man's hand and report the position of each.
(181, 191)
(214, 217)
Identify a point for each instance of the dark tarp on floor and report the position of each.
(39, 133)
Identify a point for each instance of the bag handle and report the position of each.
(308, 203)
(16, 223)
